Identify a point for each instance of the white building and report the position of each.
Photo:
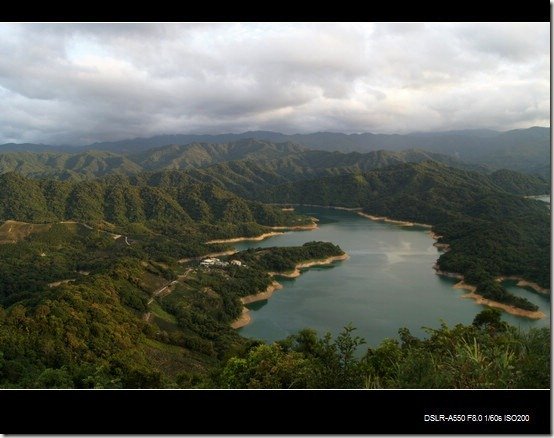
(210, 262)
(213, 262)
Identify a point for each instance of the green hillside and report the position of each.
(65, 165)
(81, 309)
(166, 197)
(435, 186)
(522, 150)
(180, 157)
(287, 159)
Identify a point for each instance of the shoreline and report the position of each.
(444, 247)
(264, 295)
(333, 207)
(241, 239)
(312, 226)
(245, 319)
(320, 262)
(480, 300)
(455, 275)
(522, 282)
(394, 221)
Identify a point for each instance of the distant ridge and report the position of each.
(269, 162)
(524, 150)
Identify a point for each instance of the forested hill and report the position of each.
(523, 150)
(285, 159)
(166, 197)
(93, 163)
(429, 186)
(250, 179)
(490, 231)
(519, 183)
(202, 154)
(64, 166)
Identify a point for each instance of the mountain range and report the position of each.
(287, 158)
(525, 150)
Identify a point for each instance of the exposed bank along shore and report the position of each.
(479, 299)
(296, 271)
(244, 318)
(240, 239)
(521, 282)
(264, 236)
(333, 207)
(394, 221)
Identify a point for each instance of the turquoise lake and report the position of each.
(388, 282)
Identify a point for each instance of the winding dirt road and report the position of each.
(147, 316)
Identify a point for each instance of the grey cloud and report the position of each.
(516, 42)
(79, 83)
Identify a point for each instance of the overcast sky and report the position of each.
(80, 83)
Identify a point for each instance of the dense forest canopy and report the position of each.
(166, 197)
(481, 355)
(286, 160)
(523, 150)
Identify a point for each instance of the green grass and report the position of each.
(163, 347)
(13, 231)
(157, 310)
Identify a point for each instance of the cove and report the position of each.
(387, 283)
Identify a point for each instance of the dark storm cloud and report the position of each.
(79, 83)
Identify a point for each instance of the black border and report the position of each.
(392, 10)
(262, 412)
(271, 412)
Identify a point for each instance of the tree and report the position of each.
(489, 318)
(268, 366)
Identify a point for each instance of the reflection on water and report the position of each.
(387, 283)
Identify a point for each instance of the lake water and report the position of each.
(387, 283)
